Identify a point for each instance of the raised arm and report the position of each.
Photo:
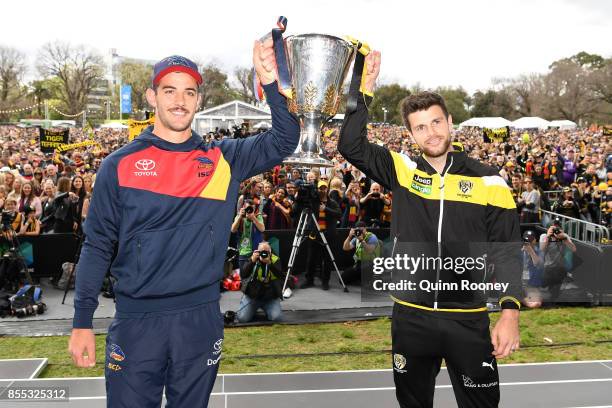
(375, 161)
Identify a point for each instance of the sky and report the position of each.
(433, 43)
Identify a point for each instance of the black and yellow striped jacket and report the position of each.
(468, 203)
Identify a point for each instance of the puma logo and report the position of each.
(490, 365)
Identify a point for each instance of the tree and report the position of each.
(215, 88)
(456, 102)
(76, 67)
(12, 70)
(388, 97)
(138, 76)
(569, 94)
(44, 90)
(244, 78)
(483, 103)
(601, 83)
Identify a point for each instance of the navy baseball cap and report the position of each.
(173, 64)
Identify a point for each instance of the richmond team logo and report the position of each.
(465, 186)
(205, 166)
(399, 362)
(145, 167)
(116, 353)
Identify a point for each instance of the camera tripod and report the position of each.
(299, 237)
(81, 238)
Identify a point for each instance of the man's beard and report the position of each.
(438, 150)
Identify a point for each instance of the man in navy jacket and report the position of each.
(164, 203)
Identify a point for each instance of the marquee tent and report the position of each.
(489, 123)
(530, 122)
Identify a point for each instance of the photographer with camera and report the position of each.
(554, 244)
(566, 205)
(262, 283)
(366, 246)
(250, 224)
(533, 261)
(373, 205)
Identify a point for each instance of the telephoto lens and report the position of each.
(249, 210)
(264, 254)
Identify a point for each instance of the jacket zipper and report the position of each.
(138, 255)
(440, 218)
(212, 241)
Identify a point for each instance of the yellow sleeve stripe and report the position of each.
(404, 168)
(218, 185)
(510, 298)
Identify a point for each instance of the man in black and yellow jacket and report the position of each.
(442, 200)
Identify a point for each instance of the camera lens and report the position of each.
(264, 254)
(249, 210)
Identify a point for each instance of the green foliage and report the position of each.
(456, 102)
(138, 76)
(389, 97)
(215, 88)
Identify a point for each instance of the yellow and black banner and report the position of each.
(496, 135)
(607, 130)
(136, 127)
(71, 146)
(52, 139)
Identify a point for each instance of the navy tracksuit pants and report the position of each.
(179, 350)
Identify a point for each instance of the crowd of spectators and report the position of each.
(568, 172)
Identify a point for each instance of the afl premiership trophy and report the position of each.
(311, 71)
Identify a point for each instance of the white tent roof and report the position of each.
(563, 124)
(114, 125)
(530, 122)
(489, 123)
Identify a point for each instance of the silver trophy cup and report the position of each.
(318, 65)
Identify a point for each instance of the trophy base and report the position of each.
(308, 161)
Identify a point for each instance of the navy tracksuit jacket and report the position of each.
(166, 209)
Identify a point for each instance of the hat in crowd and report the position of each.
(509, 164)
(566, 189)
(5, 169)
(322, 183)
(175, 63)
(360, 224)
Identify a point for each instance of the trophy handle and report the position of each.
(282, 67)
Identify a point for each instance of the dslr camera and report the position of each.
(249, 209)
(264, 254)
(308, 196)
(7, 219)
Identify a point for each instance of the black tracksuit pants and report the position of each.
(421, 339)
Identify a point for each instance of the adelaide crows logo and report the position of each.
(205, 166)
(116, 353)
